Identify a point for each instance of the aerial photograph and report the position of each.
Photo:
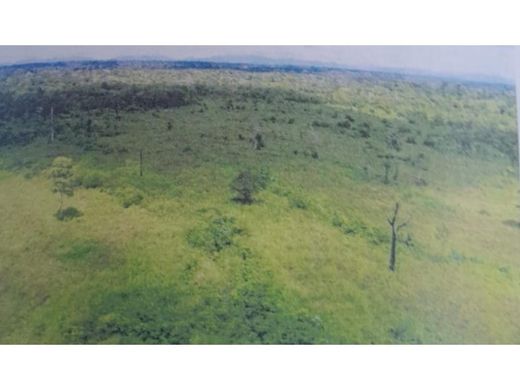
(259, 195)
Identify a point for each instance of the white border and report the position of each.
(259, 367)
(266, 22)
(274, 22)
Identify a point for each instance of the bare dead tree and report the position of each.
(395, 230)
(387, 172)
(141, 162)
(52, 125)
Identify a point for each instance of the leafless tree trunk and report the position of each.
(52, 125)
(141, 162)
(395, 230)
(387, 172)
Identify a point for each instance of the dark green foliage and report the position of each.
(92, 180)
(91, 97)
(167, 315)
(247, 183)
(216, 236)
(261, 320)
(68, 214)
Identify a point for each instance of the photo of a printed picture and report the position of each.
(259, 195)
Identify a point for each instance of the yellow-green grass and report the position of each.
(308, 262)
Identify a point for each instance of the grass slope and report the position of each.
(169, 257)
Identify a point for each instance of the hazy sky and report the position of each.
(491, 61)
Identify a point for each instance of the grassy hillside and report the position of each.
(172, 257)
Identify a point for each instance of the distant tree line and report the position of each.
(38, 102)
(104, 96)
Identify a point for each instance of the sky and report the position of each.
(484, 61)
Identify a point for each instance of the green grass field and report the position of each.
(171, 257)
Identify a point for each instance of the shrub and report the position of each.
(364, 133)
(130, 197)
(430, 142)
(68, 214)
(392, 142)
(345, 124)
(297, 203)
(92, 180)
(216, 236)
(320, 124)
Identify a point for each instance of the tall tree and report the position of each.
(61, 175)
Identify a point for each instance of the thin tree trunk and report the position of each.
(393, 244)
(52, 124)
(391, 260)
(141, 162)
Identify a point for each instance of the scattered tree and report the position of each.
(245, 186)
(61, 175)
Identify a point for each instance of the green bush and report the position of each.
(216, 236)
(92, 180)
(68, 214)
(255, 314)
(355, 227)
(429, 141)
(130, 197)
(298, 203)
